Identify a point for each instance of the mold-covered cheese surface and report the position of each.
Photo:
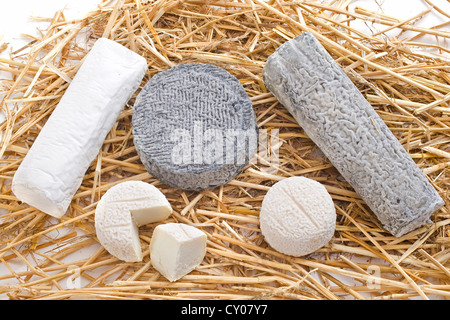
(194, 126)
(54, 167)
(122, 210)
(337, 117)
(297, 216)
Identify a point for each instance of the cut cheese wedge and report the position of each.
(176, 249)
(54, 167)
(122, 210)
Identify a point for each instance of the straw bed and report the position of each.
(410, 90)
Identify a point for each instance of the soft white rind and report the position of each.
(53, 168)
(116, 221)
(297, 216)
(176, 249)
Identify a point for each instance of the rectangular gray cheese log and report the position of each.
(54, 167)
(340, 121)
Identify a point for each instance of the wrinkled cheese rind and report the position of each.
(176, 249)
(53, 168)
(297, 216)
(115, 225)
(337, 117)
(194, 127)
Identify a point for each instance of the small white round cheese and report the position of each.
(122, 209)
(297, 216)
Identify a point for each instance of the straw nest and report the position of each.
(409, 90)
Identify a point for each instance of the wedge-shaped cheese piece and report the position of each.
(337, 117)
(194, 127)
(176, 249)
(53, 168)
(297, 216)
(122, 210)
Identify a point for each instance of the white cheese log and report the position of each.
(53, 168)
(122, 210)
(337, 117)
(176, 249)
(297, 216)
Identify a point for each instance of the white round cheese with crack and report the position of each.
(122, 210)
(297, 216)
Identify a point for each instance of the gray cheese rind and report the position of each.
(187, 120)
(341, 122)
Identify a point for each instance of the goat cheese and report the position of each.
(54, 167)
(122, 210)
(297, 216)
(194, 127)
(342, 123)
(176, 249)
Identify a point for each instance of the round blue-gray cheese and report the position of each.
(194, 126)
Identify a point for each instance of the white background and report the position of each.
(15, 16)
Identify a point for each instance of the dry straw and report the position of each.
(410, 90)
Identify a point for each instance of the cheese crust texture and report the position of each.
(176, 249)
(194, 127)
(122, 210)
(297, 216)
(341, 122)
(53, 168)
